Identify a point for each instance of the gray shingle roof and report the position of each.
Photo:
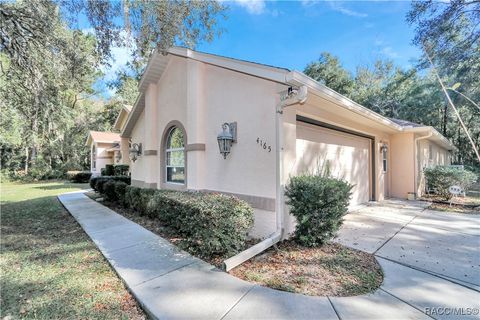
(405, 123)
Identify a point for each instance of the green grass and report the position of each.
(49, 267)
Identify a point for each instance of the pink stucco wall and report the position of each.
(200, 97)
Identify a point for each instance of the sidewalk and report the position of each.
(171, 284)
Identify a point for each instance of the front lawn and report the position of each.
(49, 266)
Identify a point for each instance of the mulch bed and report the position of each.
(330, 270)
(467, 205)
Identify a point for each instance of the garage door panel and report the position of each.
(346, 155)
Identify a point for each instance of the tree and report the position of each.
(48, 68)
(328, 71)
(43, 88)
(149, 24)
(450, 32)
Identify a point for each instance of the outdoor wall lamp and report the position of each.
(118, 156)
(384, 147)
(135, 151)
(226, 138)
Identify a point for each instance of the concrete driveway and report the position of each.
(440, 243)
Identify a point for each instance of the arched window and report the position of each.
(175, 156)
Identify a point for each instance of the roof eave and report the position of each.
(298, 78)
(440, 138)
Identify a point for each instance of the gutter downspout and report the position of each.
(292, 96)
(415, 187)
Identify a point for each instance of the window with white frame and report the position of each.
(175, 156)
(384, 159)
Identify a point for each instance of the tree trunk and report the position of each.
(445, 113)
(26, 160)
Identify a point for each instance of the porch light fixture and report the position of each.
(118, 156)
(384, 147)
(135, 151)
(226, 138)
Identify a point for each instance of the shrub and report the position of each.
(109, 190)
(97, 182)
(103, 172)
(79, 176)
(121, 170)
(93, 182)
(212, 224)
(440, 178)
(109, 170)
(137, 198)
(319, 204)
(120, 190)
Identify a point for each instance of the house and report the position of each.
(275, 123)
(109, 147)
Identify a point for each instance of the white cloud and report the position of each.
(308, 3)
(252, 6)
(389, 52)
(337, 6)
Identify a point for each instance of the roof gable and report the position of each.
(102, 137)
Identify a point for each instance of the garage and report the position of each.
(346, 154)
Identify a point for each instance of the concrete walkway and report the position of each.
(171, 284)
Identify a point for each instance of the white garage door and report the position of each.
(346, 155)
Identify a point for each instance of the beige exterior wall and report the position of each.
(429, 155)
(181, 97)
(138, 168)
(402, 155)
(200, 97)
(103, 157)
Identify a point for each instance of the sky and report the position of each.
(291, 34)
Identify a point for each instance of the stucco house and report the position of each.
(278, 123)
(109, 147)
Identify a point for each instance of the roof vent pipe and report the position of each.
(291, 96)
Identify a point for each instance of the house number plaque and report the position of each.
(264, 145)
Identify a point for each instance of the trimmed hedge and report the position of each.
(79, 176)
(440, 178)
(137, 198)
(109, 170)
(212, 224)
(121, 170)
(96, 183)
(319, 204)
(109, 190)
(120, 190)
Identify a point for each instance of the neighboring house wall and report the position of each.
(102, 157)
(402, 159)
(430, 155)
